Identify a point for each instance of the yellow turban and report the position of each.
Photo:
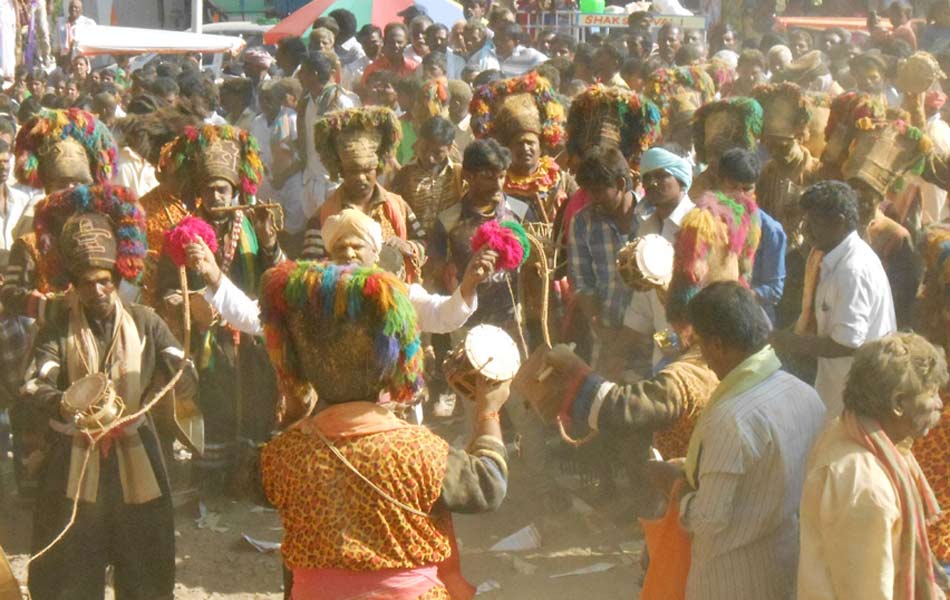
(352, 221)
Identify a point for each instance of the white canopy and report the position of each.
(101, 39)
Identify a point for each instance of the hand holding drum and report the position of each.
(487, 356)
(91, 403)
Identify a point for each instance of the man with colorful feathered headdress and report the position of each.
(351, 353)
(719, 126)
(209, 171)
(355, 145)
(126, 516)
(215, 171)
(876, 164)
(791, 167)
(524, 115)
(55, 150)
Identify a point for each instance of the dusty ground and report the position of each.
(579, 527)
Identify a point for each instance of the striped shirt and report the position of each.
(593, 243)
(744, 517)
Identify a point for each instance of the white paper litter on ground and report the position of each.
(489, 585)
(261, 545)
(526, 538)
(594, 568)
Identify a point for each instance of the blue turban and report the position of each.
(677, 166)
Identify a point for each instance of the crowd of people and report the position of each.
(730, 250)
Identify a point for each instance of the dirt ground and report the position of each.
(580, 527)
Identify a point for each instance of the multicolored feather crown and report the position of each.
(348, 331)
(667, 83)
(509, 239)
(746, 118)
(51, 125)
(118, 203)
(721, 234)
(376, 122)
(182, 161)
(487, 100)
(615, 117)
(185, 232)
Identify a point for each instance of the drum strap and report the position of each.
(336, 452)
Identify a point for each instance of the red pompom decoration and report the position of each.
(187, 230)
(502, 240)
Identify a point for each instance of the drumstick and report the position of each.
(548, 370)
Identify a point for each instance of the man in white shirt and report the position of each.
(481, 50)
(666, 179)
(514, 58)
(745, 465)
(66, 28)
(351, 237)
(16, 207)
(851, 303)
(321, 96)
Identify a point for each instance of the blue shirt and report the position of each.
(768, 271)
(593, 243)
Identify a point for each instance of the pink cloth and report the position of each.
(342, 584)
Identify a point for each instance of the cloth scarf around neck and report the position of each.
(914, 579)
(750, 372)
(123, 365)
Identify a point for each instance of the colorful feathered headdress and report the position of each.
(717, 240)
(615, 117)
(51, 125)
(356, 133)
(117, 203)
(348, 331)
(786, 109)
(212, 151)
(739, 119)
(665, 84)
(493, 115)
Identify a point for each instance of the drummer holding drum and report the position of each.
(93, 364)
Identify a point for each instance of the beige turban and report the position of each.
(352, 221)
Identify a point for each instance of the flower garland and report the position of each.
(545, 177)
(334, 294)
(61, 124)
(663, 84)
(181, 160)
(327, 129)
(116, 202)
(551, 111)
(747, 110)
(638, 120)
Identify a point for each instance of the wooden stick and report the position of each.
(237, 207)
(548, 370)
